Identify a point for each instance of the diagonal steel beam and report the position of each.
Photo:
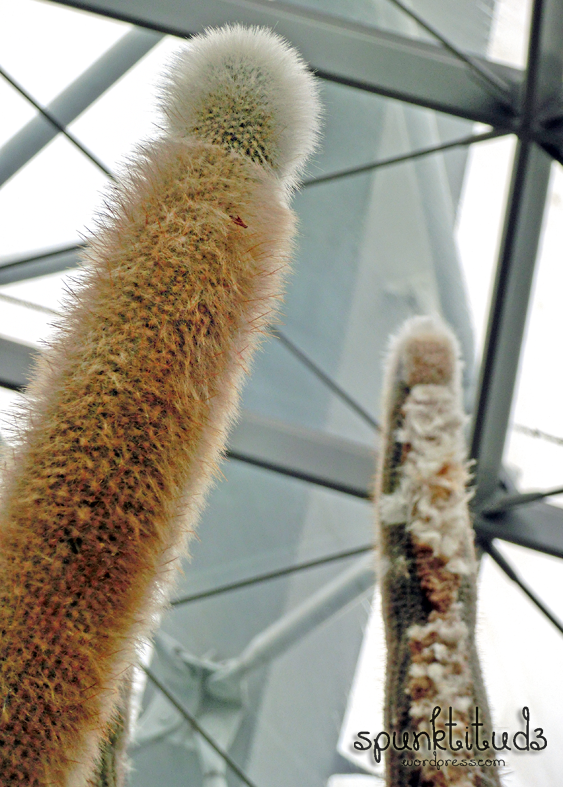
(536, 526)
(507, 320)
(505, 566)
(77, 97)
(522, 229)
(16, 360)
(41, 264)
(339, 50)
(305, 454)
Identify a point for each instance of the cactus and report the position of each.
(113, 764)
(427, 561)
(130, 409)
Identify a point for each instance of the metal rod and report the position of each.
(59, 126)
(498, 87)
(75, 99)
(43, 255)
(511, 574)
(28, 304)
(513, 501)
(325, 379)
(523, 222)
(197, 726)
(462, 142)
(282, 572)
(309, 478)
(531, 432)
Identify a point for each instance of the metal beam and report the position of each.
(339, 50)
(270, 575)
(77, 97)
(522, 229)
(537, 526)
(305, 454)
(16, 361)
(507, 320)
(20, 269)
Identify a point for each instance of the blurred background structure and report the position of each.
(438, 189)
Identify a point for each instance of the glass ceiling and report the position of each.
(415, 236)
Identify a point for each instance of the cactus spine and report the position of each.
(130, 409)
(427, 559)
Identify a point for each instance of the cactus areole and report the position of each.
(130, 407)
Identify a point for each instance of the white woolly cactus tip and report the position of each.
(247, 90)
(426, 351)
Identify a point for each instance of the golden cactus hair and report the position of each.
(427, 564)
(130, 408)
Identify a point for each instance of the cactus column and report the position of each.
(427, 563)
(130, 409)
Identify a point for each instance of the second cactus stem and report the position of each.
(427, 567)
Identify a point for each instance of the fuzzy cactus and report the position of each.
(427, 564)
(113, 765)
(130, 409)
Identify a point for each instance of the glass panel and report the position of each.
(258, 521)
(49, 202)
(16, 111)
(26, 325)
(543, 573)
(509, 36)
(521, 653)
(44, 29)
(374, 249)
(480, 222)
(130, 104)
